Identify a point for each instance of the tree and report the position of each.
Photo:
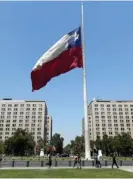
(78, 145)
(57, 142)
(67, 149)
(20, 144)
(1, 147)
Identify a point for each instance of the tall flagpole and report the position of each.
(86, 123)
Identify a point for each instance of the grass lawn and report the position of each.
(66, 173)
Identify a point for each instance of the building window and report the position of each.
(9, 109)
(39, 117)
(120, 113)
(119, 105)
(115, 117)
(126, 113)
(110, 133)
(33, 117)
(109, 117)
(40, 109)
(122, 129)
(120, 109)
(115, 120)
(96, 109)
(15, 105)
(28, 105)
(114, 105)
(1, 117)
(34, 109)
(39, 113)
(121, 121)
(21, 113)
(108, 105)
(125, 105)
(34, 105)
(102, 105)
(22, 105)
(40, 105)
(102, 117)
(127, 117)
(114, 109)
(3, 105)
(96, 113)
(27, 116)
(121, 117)
(102, 113)
(96, 105)
(15, 109)
(116, 129)
(27, 109)
(9, 105)
(15, 113)
(2, 113)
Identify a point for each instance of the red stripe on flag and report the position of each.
(68, 60)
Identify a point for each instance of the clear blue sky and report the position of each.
(27, 29)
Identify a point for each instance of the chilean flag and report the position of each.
(63, 56)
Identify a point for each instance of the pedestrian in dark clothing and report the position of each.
(49, 163)
(79, 161)
(114, 161)
(96, 161)
(75, 161)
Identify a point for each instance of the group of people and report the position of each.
(98, 161)
(77, 161)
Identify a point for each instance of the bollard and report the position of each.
(41, 163)
(70, 163)
(106, 164)
(120, 162)
(27, 164)
(83, 163)
(93, 164)
(13, 162)
(56, 163)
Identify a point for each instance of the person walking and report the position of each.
(114, 162)
(99, 161)
(79, 160)
(75, 161)
(49, 163)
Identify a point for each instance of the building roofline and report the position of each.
(108, 101)
(10, 99)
